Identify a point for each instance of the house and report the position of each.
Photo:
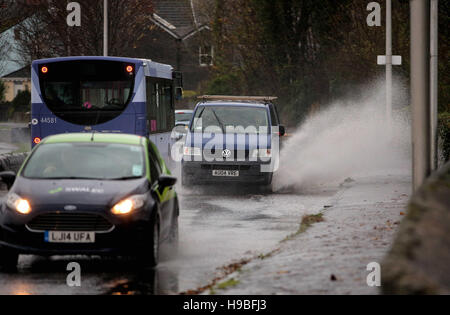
(19, 80)
(179, 35)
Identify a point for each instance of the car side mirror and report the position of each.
(282, 130)
(8, 178)
(165, 181)
(179, 132)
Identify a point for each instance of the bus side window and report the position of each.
(168, 102)
(160, 106)
(151, 106)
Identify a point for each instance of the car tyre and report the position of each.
(8, 259)
(150, 257)
(267, 186)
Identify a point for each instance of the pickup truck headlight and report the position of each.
(18, 204)
(261, 153)
(192, 151)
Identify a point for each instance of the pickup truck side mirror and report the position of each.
(8, 178)
(282, 130)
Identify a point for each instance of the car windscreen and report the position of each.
(183, 116)
(237, 119)
(86, 161)
(87, 92)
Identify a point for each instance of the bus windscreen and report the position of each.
(87, 92)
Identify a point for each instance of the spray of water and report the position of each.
(347, 139)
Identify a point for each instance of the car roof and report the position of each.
(238, 104)
(95, 138)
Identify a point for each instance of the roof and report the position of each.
(24, 72)
(177, 17)
(153, 69)
(98, 138)
(237, 104)
(73, 58)
(249, 101)
(238, 98)
(179, 13)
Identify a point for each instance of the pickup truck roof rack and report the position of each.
(237, 98)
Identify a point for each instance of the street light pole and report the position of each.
(389, 63)
(420, 90)
(434, 83)
(105, 27)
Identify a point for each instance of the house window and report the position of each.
(18, 86)
(206, 55)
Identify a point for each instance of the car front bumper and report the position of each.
(127, 237)
(202, 172)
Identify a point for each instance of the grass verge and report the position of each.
(307, 222)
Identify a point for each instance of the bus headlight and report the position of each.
(192, 151)
(18, 204)
(261, 153)
(129, 205)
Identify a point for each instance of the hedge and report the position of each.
(444, 134)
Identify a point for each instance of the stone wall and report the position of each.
(419, 261)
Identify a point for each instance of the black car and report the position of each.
(99, 194)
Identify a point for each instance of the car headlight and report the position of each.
(192, 151)
(262, 153)
(20, 205)
(129, 205)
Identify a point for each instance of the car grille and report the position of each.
(236, 155)
(225, 167)
(70, 222)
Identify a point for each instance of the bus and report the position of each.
(105, 95)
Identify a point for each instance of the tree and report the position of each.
(304, 51)
(46, 33)
(22, 102)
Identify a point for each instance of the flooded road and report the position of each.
(6, 148)
(218, 226)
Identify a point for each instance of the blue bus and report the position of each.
(104, 94)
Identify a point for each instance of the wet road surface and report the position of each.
(6, 148)
(218, 226)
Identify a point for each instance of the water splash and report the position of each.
(347, 139)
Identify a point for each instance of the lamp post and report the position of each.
(389, 60)
(420, 90)
(105, 27)
(389, 63)
(434, 82)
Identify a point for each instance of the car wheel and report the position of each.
(8, 259)
(150, 258)
(267, 186)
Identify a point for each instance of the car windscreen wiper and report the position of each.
(70, 178)
(125, 178)
(219, 121)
